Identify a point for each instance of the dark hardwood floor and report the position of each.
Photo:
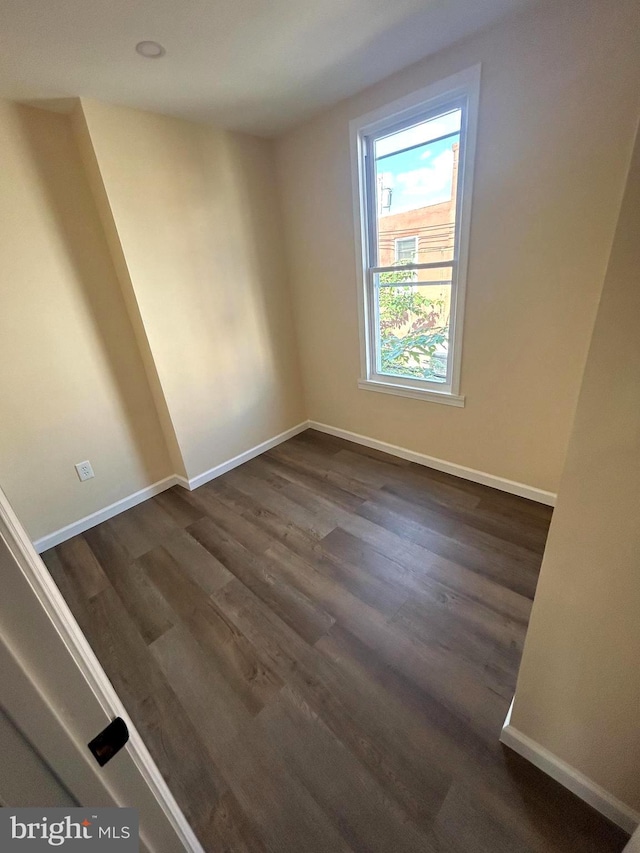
(319, 649)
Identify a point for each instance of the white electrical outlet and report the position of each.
(84, 470)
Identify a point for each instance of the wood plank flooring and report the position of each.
(319, 649)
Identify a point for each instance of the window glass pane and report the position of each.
(412, 318)
(406, 249)
(416, 172)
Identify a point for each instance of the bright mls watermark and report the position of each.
(33, 830)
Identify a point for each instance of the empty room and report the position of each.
(320, 426)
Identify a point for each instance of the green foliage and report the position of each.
(411, 327)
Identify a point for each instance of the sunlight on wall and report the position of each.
(72, 383)
(197, 216)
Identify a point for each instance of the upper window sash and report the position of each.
(368, 141)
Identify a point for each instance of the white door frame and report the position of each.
(56, 691)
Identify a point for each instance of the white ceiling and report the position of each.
(254, 65)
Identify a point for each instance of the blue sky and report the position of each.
(419, 177)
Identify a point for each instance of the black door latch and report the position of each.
(110, 740)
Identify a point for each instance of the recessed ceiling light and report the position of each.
(150, 49)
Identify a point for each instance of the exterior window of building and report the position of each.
(406, 249)
(413, 169)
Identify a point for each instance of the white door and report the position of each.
(25, 777)
(58, 698)
(634, 843)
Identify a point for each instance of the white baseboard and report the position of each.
(223, 467)
(70, 530)
(602, 801)
(501, 483)
(64, 533)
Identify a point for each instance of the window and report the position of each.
(406, 248)
(413, 175)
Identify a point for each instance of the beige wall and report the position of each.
(578, 691)
(558, 106)
(145, 322)
(96, 184)
(72, 386)
(197, 216)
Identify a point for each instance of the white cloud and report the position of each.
(431, 182)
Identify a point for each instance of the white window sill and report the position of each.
(430, 396)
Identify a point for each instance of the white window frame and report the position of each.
(397, 240)
(459, 90)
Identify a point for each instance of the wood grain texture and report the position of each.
(319, 649)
